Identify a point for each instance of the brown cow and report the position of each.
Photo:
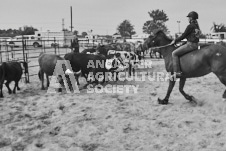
(47, 63)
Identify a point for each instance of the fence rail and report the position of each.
(29, 54)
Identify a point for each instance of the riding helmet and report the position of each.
(193, 15)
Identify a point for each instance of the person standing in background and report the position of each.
(75, 45)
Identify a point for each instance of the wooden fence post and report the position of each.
(0, 56)
(55, 45)
(24, 59)
(28, 79)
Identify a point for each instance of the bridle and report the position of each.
(159, 47)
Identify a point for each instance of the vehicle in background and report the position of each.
(2, 39)
(55, 39)
(218, 35)
(29, 40)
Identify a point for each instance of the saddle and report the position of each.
(200, 46)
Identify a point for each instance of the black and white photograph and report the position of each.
(112, 75)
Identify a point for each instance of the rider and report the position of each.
(191, 33)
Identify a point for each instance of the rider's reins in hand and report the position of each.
(161, 46)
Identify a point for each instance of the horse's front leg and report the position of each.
(170, 88)
(181, 89)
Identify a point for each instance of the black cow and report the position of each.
(89, 51)
(103, 49)
(91, 63)
(11, 71)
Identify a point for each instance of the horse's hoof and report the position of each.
(193, 100)
(193, 103)
(163, 102)
(60, 90)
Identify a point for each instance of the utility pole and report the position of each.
(71, 20)
(63, 24)
(178, 25)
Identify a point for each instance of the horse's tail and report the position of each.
(39, 75)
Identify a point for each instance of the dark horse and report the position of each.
(197, 63)
(152, 52)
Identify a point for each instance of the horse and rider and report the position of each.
(187, 61)
(191, 33)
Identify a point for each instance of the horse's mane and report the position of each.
(164, 35)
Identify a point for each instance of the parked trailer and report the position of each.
(64, 37)
(218, 35)
(29, 40)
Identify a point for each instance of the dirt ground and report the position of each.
(33, 120)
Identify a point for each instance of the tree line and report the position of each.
(158, 18)
(26, 30)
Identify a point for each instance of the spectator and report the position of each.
(75, 45)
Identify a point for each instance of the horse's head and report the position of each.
(148, 43)
(158, 38)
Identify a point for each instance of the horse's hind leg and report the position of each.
(41, 76)
(181, 89)
(47, 80)
(222, 78)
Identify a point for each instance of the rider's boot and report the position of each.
(176, 67)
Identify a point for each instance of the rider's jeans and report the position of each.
(189, 46)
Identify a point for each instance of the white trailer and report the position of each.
(218, 35)
(63, 38)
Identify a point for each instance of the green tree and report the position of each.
(84, 34)
(218, 27)
(26, 30)
(158, 19)
(65, 29)
(75, 32)
(29, 30)
(126, 29)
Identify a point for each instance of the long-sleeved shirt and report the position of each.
(190, 33)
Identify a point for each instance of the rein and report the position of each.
(161, 46)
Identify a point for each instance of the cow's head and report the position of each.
(24, 66)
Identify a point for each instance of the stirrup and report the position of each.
(178, 74)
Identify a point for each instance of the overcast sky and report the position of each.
(103, 16)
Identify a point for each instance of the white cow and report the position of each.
(130, 59)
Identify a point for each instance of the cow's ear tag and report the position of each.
(108, 63)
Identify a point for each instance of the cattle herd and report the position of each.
(111, 58)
